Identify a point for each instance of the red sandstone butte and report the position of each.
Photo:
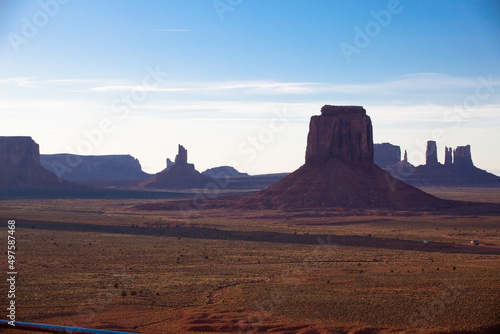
(339, 171)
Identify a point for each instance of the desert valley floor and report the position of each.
(106, 264)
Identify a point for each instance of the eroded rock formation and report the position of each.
(339, 170)
(457, 171)
(182, 175)
(182, 156)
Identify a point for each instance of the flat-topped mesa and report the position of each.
(182, 156)
(343, 133)
(19, 152)
(462, 156)
(431, 158)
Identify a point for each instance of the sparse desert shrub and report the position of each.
(133, 293)
(124, 293)
(115, 285)
(454, 268)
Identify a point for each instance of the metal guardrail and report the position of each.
(28, 326)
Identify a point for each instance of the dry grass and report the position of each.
(224, 271)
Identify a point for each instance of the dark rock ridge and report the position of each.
(223, 171)
(386, 154)
(105, 167)
(458, 170)
(20, 167)
(182, 175)
(339, 171)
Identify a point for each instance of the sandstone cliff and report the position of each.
(341, 132)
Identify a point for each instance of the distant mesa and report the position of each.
(73, 167)
(223, 171)
(339, 171)
(180, 175)
(458, 169)
(20, 168)
(386, 154)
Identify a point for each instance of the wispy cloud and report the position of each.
(410, 83)
(170, 30)
(26, 82)
(251, 87)
(34, 82)
(432, 88)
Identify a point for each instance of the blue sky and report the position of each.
(236, 81)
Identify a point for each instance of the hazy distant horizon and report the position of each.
(237, 85)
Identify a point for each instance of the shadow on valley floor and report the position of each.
(178, 231)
